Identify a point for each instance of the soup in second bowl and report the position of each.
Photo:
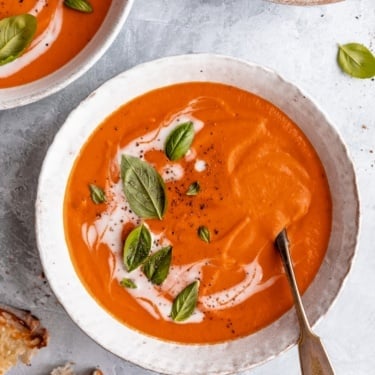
(61, 33)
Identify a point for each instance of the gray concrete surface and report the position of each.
(301, 44)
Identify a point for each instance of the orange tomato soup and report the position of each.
(61, 34)
(258, 173)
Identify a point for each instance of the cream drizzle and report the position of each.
(39, 45)
(237, 294)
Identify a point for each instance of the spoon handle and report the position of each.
(282, 245)
(312, 355)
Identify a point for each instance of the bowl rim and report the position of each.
(48, 85)
(157, 64)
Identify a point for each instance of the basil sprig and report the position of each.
(204, 234)
(143, 187)
(16, 33)
(185, 302)
(193, 189)
(97, 194)
(128, 283)
(80, 5)
(179, 141)
(156, 267)
(137, 247)
(356, 60)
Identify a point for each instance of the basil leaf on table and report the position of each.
(143, 187)
(128, 283)
(16, 33)
(356, 60)
(156, 267)
(185, 302)
(179, 141)
(80, 5)
(97, 194)
(193, 189)
(137, 247)
(204, 234)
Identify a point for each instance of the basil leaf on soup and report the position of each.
(97, 194)
(204, 234)
(356, 60)
(16, 33)
(193, 189)
(185, 302)
(137, 247)
(179, 141)
(156, 267)
(128, 283)
(143, 187)
(80, 5)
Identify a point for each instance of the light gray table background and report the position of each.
(301, 44)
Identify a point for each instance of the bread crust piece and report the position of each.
(21, 335)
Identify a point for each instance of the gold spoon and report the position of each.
(312, 355)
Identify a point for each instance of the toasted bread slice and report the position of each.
(21, 335)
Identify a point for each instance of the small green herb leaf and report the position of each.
(356, 60)
(204, 234)
(80, 5)
(143, 187)
(137, 247)
(128, 283)
(179, 141)
(184, 304)
(97, 194)
(156, 267)
(193, 189)
(16, 33)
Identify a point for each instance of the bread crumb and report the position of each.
(68, 370)
(63, 370)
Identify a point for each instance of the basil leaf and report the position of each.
(137, 247)
(356, 60)
(179, 141)
(143, 187)
(193, 189)
(184, 304)
(204, 234)
(97, 194)
(128, 283)
(16, 34)
(156, 267)
(80, 5)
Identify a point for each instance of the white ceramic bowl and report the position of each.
(48, 85)
(149, 352)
